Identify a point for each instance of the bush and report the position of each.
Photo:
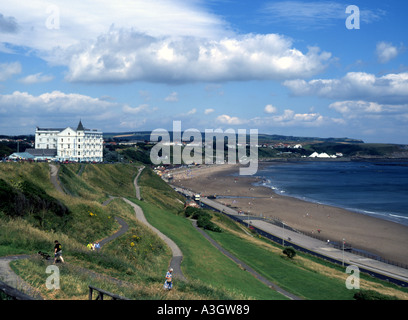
(290, 252)
(203, 218)
(372, 295)
(196, 213)
(205, 223)
(190, 211)
(29, 201)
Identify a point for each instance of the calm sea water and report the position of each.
(374, 188)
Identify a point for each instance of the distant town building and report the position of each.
(80, 145)
(321, 155)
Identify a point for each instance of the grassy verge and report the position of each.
(306, 276)
(202, 260)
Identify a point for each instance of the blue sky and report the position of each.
(282, 67)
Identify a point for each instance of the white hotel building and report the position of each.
(70, 145)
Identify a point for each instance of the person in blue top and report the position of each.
(168, 284)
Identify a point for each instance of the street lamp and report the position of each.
(283, 237)
(248, 213)
(343, 251)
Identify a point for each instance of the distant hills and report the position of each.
(262, 138)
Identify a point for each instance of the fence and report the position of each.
(102, 293)
(12, 293)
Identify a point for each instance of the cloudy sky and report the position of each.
(305, 68)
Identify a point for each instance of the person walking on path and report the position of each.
(58, 252)
(168, 284)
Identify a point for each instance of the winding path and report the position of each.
(175, 262)
(137, 188)
(54, 178)
(177, 255)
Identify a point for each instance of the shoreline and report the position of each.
(384, 238)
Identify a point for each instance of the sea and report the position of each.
(375, 188)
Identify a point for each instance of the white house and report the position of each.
(71, 145)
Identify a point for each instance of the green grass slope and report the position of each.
(33, 214)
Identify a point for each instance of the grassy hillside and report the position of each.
(134, 264)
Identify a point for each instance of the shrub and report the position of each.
(190, 211)
(205, 223)
(203, 218)
(290, 252)
(372, 295)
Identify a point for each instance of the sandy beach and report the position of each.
(384, 238)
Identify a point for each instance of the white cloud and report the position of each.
(22, 112)
(165, 41)
(270, 109)
(386, 51)
(53, 102)
(36, 78)
(208, 111)
(226, 119)
(191, 112)
(172, 97)
(139, 109)
(390, 88)
(82, 20)
(7, 70)
(124, 55)
(388, 121)
(290, 118)
(132, 123)
(353, 109)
